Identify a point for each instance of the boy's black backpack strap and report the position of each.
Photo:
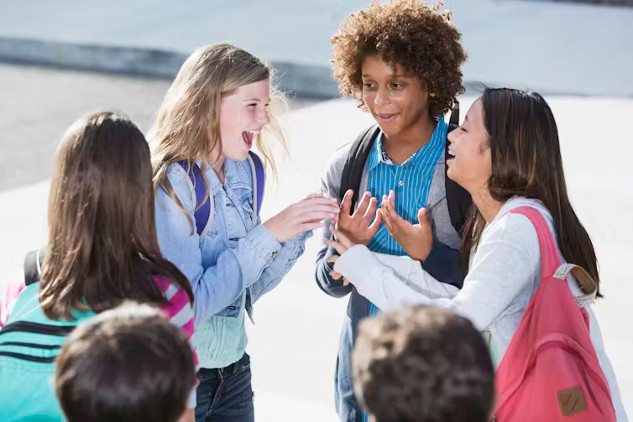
(457, 198)
(33, 265)
(355, 163)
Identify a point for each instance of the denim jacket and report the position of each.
(230, 266)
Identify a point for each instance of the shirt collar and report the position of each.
(376, 155)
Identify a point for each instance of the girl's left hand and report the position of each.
(342, 242)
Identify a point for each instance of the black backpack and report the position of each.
(458, 199)
(33, 265)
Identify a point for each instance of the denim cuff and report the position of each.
(297, 244)
(263, 243)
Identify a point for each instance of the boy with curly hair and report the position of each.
(423, 364)
(401, 60)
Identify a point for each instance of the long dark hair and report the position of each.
(526, 161)
(102, 246)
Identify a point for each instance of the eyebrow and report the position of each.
(257, 100)
(393, 75)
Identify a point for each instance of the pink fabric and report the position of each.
(7, 300)
(178, 306)
(550, 367)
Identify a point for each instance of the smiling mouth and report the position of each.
(385, 116)
(248, 136)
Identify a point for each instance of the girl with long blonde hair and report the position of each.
(211, 115)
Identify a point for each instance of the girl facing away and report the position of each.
(506, 154)
(102, 249)
(213, 113)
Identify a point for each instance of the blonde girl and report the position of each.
(215, 110)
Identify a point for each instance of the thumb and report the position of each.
(423, 217)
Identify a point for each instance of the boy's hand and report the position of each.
(358, 227)
(416, 239)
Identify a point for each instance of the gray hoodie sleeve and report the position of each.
(330, 184)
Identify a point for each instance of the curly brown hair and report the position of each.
(409, 33)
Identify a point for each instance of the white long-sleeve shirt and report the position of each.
(504, 273)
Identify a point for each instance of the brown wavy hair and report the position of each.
(526, 161)
(102, 246)
(409, 33)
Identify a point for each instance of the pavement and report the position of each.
(555, 48)
(294, 341)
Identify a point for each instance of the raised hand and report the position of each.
(302, 216)
(341, 244)
(416, 239)
(358, 227)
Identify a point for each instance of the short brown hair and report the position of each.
(126, 364)
(407, 33)
(422, 364)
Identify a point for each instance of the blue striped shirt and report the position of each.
(410, 181)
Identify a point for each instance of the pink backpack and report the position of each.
(550, 371)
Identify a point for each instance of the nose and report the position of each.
(452, 135)
(263, 118)
(382, 96)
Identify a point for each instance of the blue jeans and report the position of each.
(225, 394)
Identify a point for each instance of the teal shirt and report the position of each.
(27, 390)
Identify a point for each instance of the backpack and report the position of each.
(458, 199)
(29, 344)
(203, 212)
(550, 371)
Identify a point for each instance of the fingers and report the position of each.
(399, 223)
(387, 214)
(396, 225)
(362, 206)
(306, 227)
(336, 245)
(345, 281)
(342, 238)
(371, 210)
(346, 203)
(314, 216)
(373, 228)
(316, 201)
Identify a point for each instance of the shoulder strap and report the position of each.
(33, 265)
(458, 199)
(355, 163)
(259, 182)
(202, 212)
(550, 260)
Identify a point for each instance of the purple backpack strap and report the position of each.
(202, 212)
(259, 179)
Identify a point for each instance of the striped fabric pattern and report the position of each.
(178, 311)
(410, 181)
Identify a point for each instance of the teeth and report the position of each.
(254, 132)
(451, 153)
